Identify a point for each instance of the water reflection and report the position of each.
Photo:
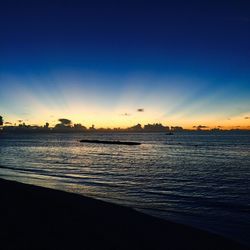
(199, 179)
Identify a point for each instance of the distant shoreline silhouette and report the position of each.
(66, 126)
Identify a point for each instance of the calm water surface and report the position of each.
(200, 179)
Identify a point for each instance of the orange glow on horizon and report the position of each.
(126, 119)
(124, 108)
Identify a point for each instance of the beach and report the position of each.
(35, 217)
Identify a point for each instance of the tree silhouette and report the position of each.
(65, 122)
(1, 120)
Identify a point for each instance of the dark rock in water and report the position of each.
(111, 142)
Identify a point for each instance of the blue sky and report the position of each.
(184, 62)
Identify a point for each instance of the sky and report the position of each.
(119, 63)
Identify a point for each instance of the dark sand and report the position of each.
(40, 218)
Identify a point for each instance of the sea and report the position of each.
(201, 179)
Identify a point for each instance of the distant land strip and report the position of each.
(111, 142)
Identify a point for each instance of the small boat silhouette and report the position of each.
(170, 133)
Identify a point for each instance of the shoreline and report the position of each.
(40, 218)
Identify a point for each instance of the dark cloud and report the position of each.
(247, 117)
(140, 110)
(8, 123)
(126, 114)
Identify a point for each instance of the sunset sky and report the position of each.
(118, 63)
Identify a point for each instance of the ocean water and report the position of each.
(199, 179)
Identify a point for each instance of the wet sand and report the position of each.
(40, 218)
